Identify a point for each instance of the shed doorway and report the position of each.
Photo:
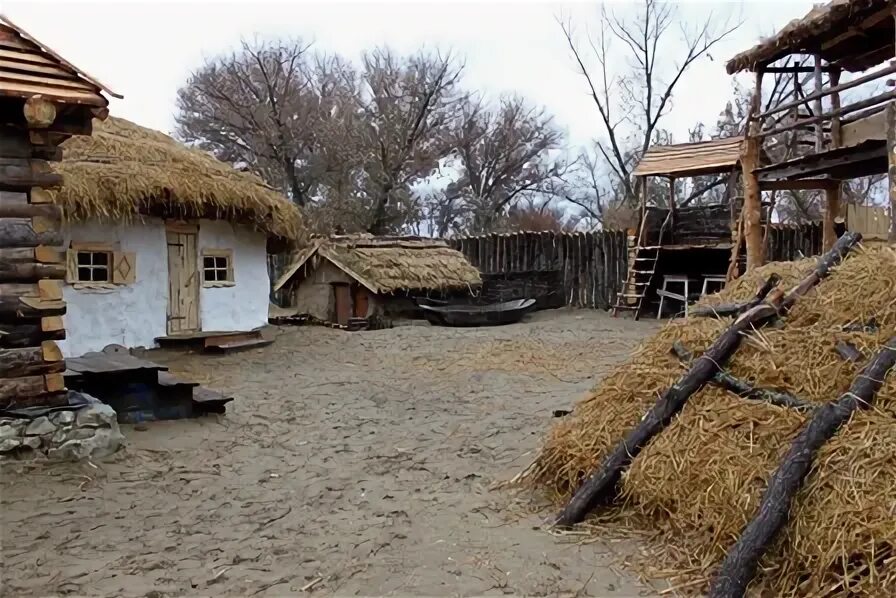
(183, 279)
(343, 299)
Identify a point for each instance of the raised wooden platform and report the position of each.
(215, 341)
(140, 390)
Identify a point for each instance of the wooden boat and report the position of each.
(494, 314)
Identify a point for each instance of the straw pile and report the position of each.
(124, 170)
(699, 482)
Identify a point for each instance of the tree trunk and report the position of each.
(31, 361)
(378, 222)
(25, 232)
(739, 566)
(602, 483)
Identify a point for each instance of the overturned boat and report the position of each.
(494, 314)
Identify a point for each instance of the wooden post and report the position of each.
(891, 157)
(749, 160)
(817, 107)
(672, 211)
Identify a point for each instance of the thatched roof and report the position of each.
(691, 159)
(857, 34)
(125, 170)
(389, 264)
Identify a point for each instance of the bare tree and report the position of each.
(505, 153)
(632, 105)
(262, 107)
(407, 108)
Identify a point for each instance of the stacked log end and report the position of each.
(32, 266)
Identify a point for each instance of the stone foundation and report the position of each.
(87, 432)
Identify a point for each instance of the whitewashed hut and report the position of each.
(163, 241)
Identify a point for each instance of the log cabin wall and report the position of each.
(588, 267)
(31, 268)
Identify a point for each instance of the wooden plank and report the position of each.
(29, 57)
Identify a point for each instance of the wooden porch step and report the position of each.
(234, 345)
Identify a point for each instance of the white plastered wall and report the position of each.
(130, 315)
(135, 315)
(244, 305)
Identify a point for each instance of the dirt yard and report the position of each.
(350, 463)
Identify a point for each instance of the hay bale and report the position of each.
(699, 482)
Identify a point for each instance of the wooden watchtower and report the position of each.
(817, 140)
(673, 234)
(44, 100)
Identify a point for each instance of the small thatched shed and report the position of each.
(340, 277)
(163, 239)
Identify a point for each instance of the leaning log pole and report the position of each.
(602, 484)
(739, 566)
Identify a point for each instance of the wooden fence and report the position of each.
(786, 243)
(591, 267)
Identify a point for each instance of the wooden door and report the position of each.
(359, 301)
(183, 280)
(343, 296)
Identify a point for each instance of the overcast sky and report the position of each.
(145, 51)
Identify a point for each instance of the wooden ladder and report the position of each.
(641, 271)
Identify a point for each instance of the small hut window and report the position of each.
(217, 267)
(94, 266)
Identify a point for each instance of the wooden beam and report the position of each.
(873, 101)
(798, 185)
(796, 69)
(823, 165)
(48, 211)
(836, 125)
(831, 212)
(857, 30)
(837, 88)
(752, 209)
(817, 106)
(30, 386)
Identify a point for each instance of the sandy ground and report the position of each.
(350, 463)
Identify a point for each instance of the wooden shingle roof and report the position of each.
(691, 159)
(29, 68)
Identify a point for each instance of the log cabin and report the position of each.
(838, 121)
(163, 242)
(44, 99)
(341, 277)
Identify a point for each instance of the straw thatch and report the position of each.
(699, 482)
(389, 264)
(806, 34)
(124, 170)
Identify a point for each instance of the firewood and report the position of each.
(735, 309)
(740, 563)
(602, 484)
(744, 389)
(848, 352)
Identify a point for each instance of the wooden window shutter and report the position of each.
(124, 270)
(71, 266)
